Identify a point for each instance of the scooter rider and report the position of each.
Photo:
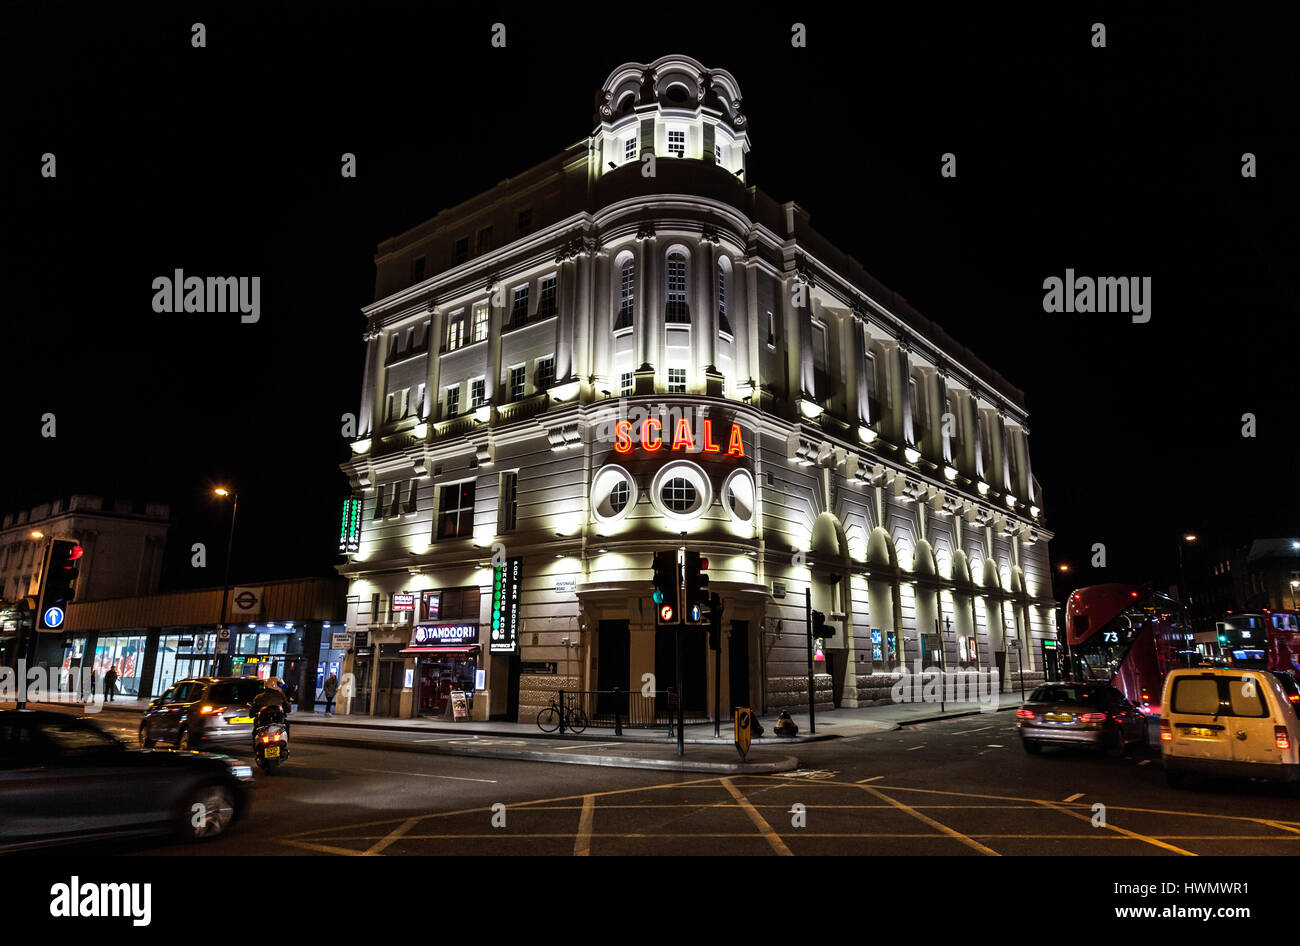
(271, 700)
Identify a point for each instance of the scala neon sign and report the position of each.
(652, 437)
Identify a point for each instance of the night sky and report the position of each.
(1123, 161)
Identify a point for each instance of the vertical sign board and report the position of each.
(505, 606)
(350, 526)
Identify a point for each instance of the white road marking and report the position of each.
(963, 732)
(454, 778)
(994, 745)
(1074, 797)
(921, 746)
(872, 779)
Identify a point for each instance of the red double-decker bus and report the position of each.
(1260, 640)
(1128, 636)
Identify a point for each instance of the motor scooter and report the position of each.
(271, 739)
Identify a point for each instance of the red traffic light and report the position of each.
(704, 564)
(75, 553)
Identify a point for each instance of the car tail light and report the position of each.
(1166, 734)
(1294, 697)
(1093, 717)
(1281, 737)
(1024, 714)
(210, 710)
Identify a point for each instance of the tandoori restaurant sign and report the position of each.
(651, 435)
(428, 635)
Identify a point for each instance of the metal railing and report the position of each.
(630, 709)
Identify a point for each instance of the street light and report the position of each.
(223, 659)
(1063, 568)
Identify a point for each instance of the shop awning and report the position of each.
(440, 650)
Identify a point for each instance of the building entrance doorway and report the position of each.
(388, 687)
(738, 663)
(613, 667)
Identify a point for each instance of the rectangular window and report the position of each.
(481, 315)
(477, 397)
(518, 381)
(677, 143)
(873, 397)
(455, 330)
(911, 403)
(458, 604)
(524, 223)
(419, 401)
(417, 269)
(484, 241)
(626, 295)
(717, 155)
(629, 148)
(627, 383)
(545, 373)
(519, 310)
(546, 298)
(723, 324)
(509, 500)
(461, 252)
(676, 380)
(453, 401)
(456, 510)
(771, 329)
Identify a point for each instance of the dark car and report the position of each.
(1289, 687)
(64, 780)
(1088, 714)
(202, 712)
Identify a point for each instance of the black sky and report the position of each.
(225, 160)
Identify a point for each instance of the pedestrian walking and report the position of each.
(110, 683)
(331, 688)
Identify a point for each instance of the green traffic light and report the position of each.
(658, 596)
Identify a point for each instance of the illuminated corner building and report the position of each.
(532, 356)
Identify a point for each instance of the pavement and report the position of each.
(643, 749)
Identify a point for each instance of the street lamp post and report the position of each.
(1182, 582)
(223, 660)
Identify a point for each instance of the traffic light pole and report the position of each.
(812, 698)
(681, 736)
(25, 659)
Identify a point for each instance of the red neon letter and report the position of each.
(735, 446)
(709, 445)
(645, 434)
(623, 436)
(683, 439)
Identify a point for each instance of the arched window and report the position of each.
(626, 294)
(676, 309)
(723, 324)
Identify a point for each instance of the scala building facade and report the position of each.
(627, 348)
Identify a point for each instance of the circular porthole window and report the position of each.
(613, 494)
(681, 491)
(738, 496)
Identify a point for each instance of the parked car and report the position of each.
(1225, 722)
(64, 780)
(1088, 714)
(202, 712)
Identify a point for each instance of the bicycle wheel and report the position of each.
(577, 719)
(548, 720)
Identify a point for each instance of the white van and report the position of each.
(1219, 721)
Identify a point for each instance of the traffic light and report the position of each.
(715, 621)
(59, 586)
(667, 588)
(820, 628)
(695, 603)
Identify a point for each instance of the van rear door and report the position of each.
(1256, 709)
(1195, 712)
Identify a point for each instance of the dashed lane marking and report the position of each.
(454, 778)
(914, 748)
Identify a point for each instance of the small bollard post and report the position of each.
(618, 712)
(563, 711)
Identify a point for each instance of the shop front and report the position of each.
(447, 660)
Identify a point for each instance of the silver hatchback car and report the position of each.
(202, 712)
(1088, 714)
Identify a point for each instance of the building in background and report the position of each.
(628, 348)
(123, 544)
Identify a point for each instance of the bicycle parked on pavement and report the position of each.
(570, 715)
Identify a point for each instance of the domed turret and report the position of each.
(672, 108)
